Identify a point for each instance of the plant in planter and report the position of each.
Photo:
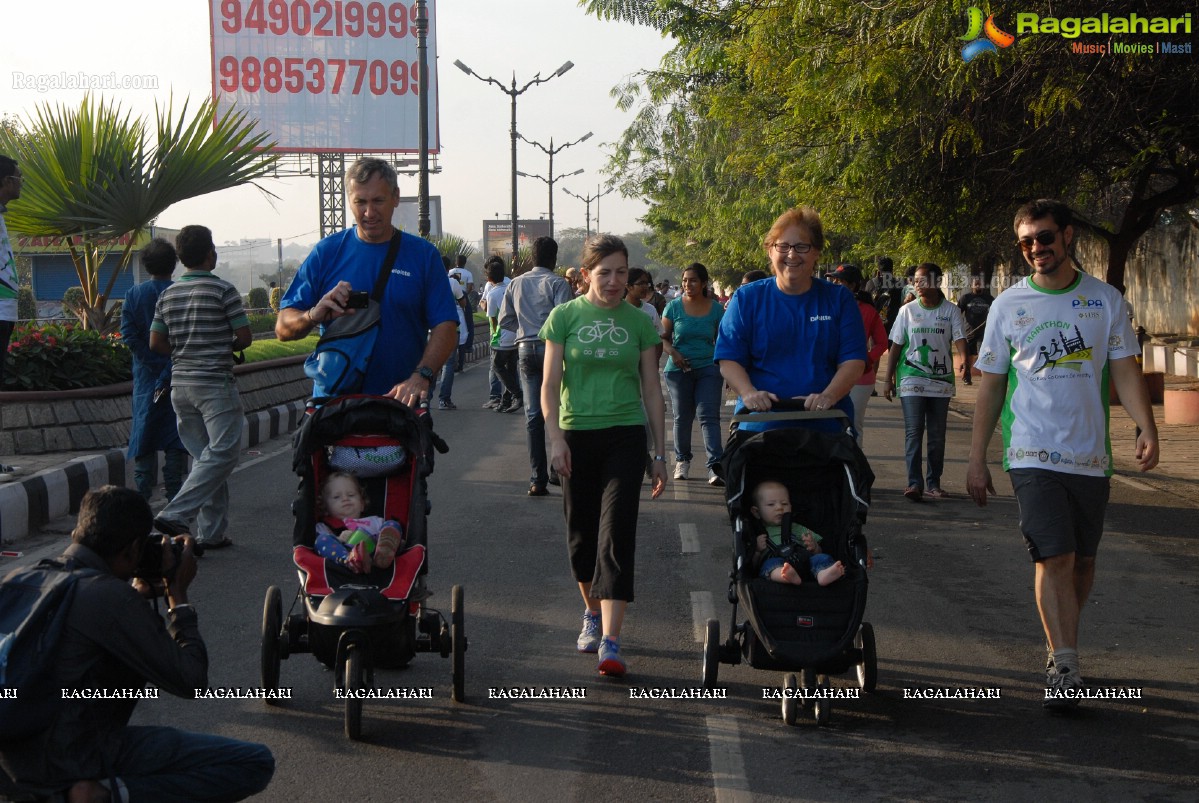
(63, 357)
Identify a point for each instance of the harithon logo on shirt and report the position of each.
(1069, 353)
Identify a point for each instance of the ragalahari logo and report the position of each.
(983, 37)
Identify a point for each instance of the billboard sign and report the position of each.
(407, 215)
(497, 235)
(325, 76)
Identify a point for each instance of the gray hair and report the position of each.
(368, 167)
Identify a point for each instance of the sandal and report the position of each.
(359, 559)
(385, 550)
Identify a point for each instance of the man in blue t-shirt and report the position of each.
(419, 320)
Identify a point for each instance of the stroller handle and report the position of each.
(789, 410)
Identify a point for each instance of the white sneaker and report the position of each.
(714, 479)
(681, 468)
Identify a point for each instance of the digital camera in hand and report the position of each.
(150, 565)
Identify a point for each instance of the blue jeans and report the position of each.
(922, 413)
(165, 764)
(447, 377)
(495, 389)
(697, 390)
(532, 366)
(210, 422)
(145, 472)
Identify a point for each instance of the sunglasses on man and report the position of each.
(1046, 237)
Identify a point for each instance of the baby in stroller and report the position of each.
(772, 503)
(346, 536)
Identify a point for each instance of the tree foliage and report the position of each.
(869, 113)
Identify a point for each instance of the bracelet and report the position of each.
(659, 458)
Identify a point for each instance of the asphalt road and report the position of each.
(950, 600)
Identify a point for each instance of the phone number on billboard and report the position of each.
(317, 76)
(320, 18)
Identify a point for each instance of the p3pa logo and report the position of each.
(982, 36)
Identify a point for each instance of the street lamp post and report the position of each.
(551, 150)
(550, 181)
(422, 48)
(514, 93)
(588, 201)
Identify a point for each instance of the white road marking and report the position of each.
(1130, 482)
(728, 766)
(286, 447)
(689, 539)
(702, 609)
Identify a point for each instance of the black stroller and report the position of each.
(811, 629)
(355, 622)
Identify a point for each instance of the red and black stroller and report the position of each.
(814, 630)
(354, 622)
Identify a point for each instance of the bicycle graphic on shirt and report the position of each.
(601, 329)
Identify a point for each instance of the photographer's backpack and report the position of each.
(33, 610)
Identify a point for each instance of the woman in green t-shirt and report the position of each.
(601, 367)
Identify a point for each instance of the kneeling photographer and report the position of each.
(112, 644)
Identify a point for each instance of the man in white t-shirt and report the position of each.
(1051, 342)
(446, 383)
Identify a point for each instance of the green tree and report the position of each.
(869, 113)
(281, 276)
(257, 298)
(95, 178)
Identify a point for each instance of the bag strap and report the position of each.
(393, 250)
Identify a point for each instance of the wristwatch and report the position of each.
(659, 458)
(426, 373)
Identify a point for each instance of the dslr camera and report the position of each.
(150, 565)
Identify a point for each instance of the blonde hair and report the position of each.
(804, 216)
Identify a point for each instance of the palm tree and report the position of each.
(94, 180)
(452, 245)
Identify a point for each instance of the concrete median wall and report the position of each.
(100, 418)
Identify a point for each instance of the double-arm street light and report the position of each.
(514, 93)
(588, 201)
(551, 150)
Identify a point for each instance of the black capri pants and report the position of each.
(601, 497)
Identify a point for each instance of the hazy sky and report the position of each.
(171, 41)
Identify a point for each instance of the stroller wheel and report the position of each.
(790, 699)
(807, 679)
(868, 668)
(272, 625)
(711, 654)
(458, 637)
(824, 704)
(354, 675)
